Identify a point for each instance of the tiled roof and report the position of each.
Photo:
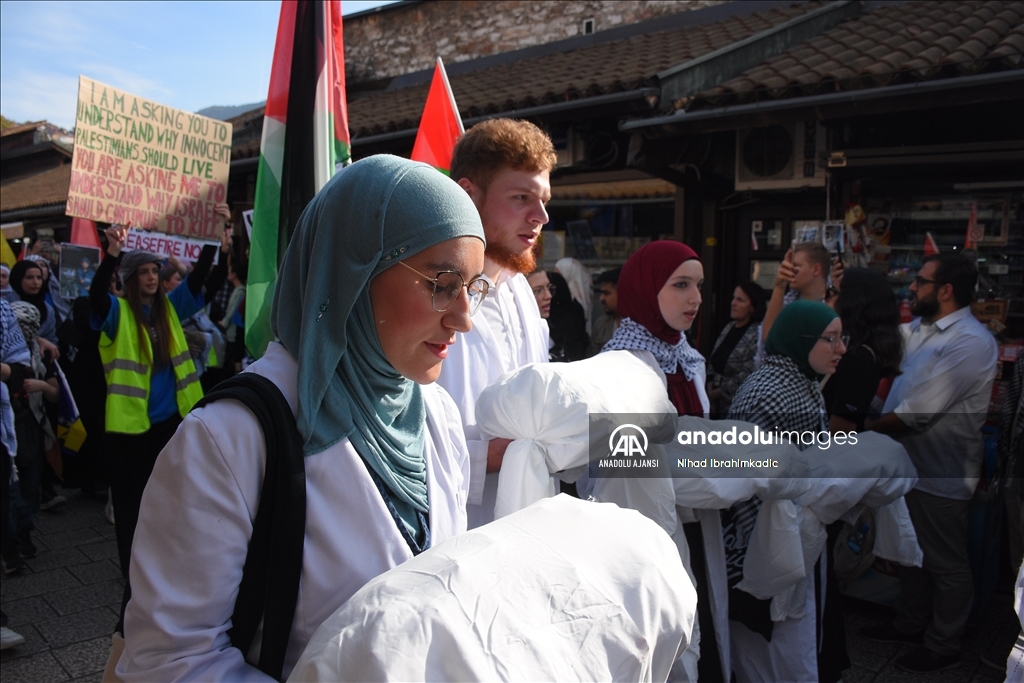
(904, 43)
(21, 128)
(42, 189)
(598, 69)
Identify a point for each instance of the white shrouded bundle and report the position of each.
(545, 409)
(564, 590)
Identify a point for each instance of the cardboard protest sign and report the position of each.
(184, 249)
(145, 164)
(77, 266)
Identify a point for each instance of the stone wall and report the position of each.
(401, 40)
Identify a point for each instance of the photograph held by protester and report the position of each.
(383, 271)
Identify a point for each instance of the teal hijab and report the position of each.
(797, 330)
(368, 217)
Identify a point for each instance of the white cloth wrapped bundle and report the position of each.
(545, 408)
(876, 471)
(721, 488)
(565, 590)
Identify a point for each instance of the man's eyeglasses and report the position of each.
(921, 281)
(447, 286)
(834, 341)
(537, 291)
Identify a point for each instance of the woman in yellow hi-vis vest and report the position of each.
(151, 379)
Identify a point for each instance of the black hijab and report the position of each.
(38, 300)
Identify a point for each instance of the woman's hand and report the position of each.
(46, 346)
(225, 240)
(116, 236)
(224, 211)
(48, 388)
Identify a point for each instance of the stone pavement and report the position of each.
(66, 604)
(66, 607)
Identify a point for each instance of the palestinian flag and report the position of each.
(931, 247)
(441, 126)
(305, 140)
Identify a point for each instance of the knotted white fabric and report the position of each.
(564, 590)
(545, 408)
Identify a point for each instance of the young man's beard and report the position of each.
(522, 262)
(925, 308)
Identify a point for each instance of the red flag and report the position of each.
(83, 233)
(974, 231)
(930, 247)
(441, 126)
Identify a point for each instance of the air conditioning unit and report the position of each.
(570, 149)
(780, 157)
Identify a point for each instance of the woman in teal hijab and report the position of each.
(382, 272)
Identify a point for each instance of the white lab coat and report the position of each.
(196, 521)
(473, 363)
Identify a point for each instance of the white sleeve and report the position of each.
(457, 439)
(189, 549)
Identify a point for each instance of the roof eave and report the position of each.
(648, 95)
(902, 97)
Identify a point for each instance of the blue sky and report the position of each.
(188, 55)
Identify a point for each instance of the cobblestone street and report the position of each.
(66, 605)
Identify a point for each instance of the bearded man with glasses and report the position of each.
(936, 409)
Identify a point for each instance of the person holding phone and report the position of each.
(803, 275)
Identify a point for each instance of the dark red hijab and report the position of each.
(642, 278)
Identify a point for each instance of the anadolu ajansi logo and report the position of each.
(628, 442)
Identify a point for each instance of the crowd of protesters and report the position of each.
(55, 349)
(398, 463)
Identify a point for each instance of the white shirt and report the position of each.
(507, 333)
(943, 395)
(196, 521)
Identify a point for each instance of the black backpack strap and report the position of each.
(270, 578)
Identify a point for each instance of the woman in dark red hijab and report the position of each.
(659, 297)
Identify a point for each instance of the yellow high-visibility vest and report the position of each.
(128, 373)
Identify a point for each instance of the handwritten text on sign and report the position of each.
(164, 245)
(142, 163)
